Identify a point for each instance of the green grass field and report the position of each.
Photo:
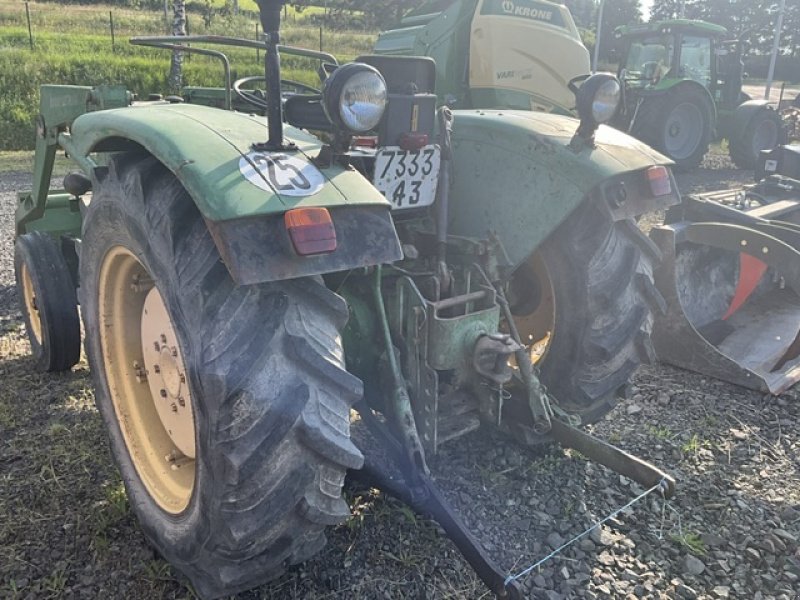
(72, 45)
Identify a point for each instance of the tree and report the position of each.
(616, 13)
(583, 12)
(178, 28)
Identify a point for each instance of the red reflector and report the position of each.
(658, 177)
(364, 141)
(311, 230)
(413, 141)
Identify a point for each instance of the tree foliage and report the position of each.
(616, 13)
(751, 20)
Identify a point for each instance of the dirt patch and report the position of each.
(66, 529)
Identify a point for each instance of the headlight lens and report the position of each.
(606, 100)
(355, 97)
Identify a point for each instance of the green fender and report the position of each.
(203, 147)
(516, 177)
(243, 197)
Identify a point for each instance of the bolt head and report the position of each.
(163, 393)
(163, 339)
(156, 369)
(157, 346)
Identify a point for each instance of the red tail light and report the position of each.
(658, 178)
(311, 230)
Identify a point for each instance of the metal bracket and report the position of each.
(385, 471)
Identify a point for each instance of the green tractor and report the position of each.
(683, 89)
(244, 283)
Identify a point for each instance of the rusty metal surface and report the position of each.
(616, 459)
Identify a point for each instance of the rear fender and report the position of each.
(516, 177)
(242, 196)
(736, 123)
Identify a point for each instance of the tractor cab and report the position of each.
(658, 55)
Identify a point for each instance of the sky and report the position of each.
(646, 4)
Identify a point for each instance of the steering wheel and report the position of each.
(258, 98)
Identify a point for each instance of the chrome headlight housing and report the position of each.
(599, 98)
(354, 97)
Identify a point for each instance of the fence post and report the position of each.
(30, 31)
(320, 38)
(113, 41)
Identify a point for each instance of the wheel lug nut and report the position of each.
(183, 378)
(157, 346)
(174, 407)
(181, 401)
(163, 393)
(163, 339)
(156, 369)
(174, 351)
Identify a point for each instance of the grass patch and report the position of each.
(72, 45)
(22, 160)
(691, 541)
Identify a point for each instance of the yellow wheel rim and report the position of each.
(147, 380)
(536, 327)
(31, 303)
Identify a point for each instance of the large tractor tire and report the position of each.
(585, 302)
(227, 407)
(678, 125)
(765, 131)
(48, 301)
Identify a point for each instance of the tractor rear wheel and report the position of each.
(763, 132)
(48, 300)
(585, 303)
(677, 125)
(227, 406)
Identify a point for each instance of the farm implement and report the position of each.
(729, 276)
(253, 261)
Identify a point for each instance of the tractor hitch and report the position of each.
(388, 468)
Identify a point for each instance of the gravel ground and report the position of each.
(731, 532)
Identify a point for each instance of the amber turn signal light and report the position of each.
(658, 178)
(311, 230)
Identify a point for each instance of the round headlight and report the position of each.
(606, 100)
(598, 98)
(354, 97)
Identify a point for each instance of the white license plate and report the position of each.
(407, 177)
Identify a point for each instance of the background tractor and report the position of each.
(683, 80)
(240, 295)
(683, 89)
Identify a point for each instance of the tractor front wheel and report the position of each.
(48, 301)
(584, 304)
(763, 132)
(227, 406)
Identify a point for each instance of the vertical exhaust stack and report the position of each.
(270, 13)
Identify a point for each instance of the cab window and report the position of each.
(696, 59)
